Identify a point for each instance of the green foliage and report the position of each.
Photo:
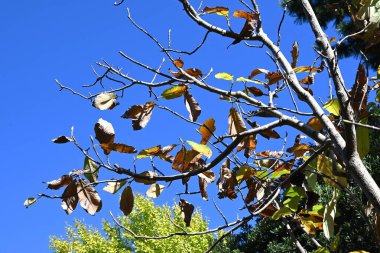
(146, 219)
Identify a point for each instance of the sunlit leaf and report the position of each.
(208, 175)
(220, 10)
(295, 53)
(255, 91)
(140, 115)
(149, 180)
(179, 159)
(279, 173)
(29, 201)
(89, 198)
(70, 198)
(329, 215)
(325, 166)
(187, 210)
(192, 106)
(235, 123)
(201, 148)
(118, 147)
(207, 129)
(226, 182)
(155, 190)
(60, 182)
(105, 101)
(127, 201)
(104, 131)
(282, 212)
(62, 139)
(256, 72)
(149, 152)
(246, 80)
(174, 92)
(178, 63)
(224, 76)
(270, 153)
(244, 172)
(246, 15)
(305, 69)
(114, 186)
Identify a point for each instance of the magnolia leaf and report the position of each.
(174, 92)
(127, 201)
(192, 106)
(114, 186)
(149, 152)
(220, 10)
(308, 80)
(246, 80)
(333, 107)
(315, 123)
(269, 133)
(329, 215)
(306, 69)
(224, 76)
(104, 131)
(155, 190)
(203, 187)
(256, 72)
(282, 212)
(300, 149)
(279, 173)
(236, 124)
(89, 198)
(196, 73)
(267, 212)
(92, 170)
(105, 101)
(118, 147)
(29, 201)
(252, 190)
(70, 198)
(246, 15)
(178, 63)
(147, 181)
(292, 203)
(62, 139)
(295, 191)
(244, 172)
(179, 159)
(207, 129)
(295, 53)
(187, 210)
(362, 138)
(359, 92)
(201, 148)
(226, 182)
(140, 115)
(60, 182)
(326, 166)
(255, 91)
(208, 175)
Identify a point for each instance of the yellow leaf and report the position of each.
(224, 76)
(174, 92)
(149, 152)
(333, 106)
(220, 10)
(201, 148)
(244, 172)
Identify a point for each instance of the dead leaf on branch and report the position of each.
(226, 182)
(192, 106)
(89, 198)
(249, 25)
(114, 186)
(207, 129)
(127, 201)
(295, 53)
(62, 139)
(118, 147)
(149, 180)
(178, 63)
(155, 190)
(220, 10)
(203, 187)
(104, 131)
(187, 210)
(140, 115)
(194, 72)
(359, 92)
(60, 182)
(105, 101)
(70, 198)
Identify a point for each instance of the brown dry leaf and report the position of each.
(226, 182)
(191, 160)
(208, 175)
(60, 182)
(179, 159)
(187, 210)
(140, 115)
(62, 139)
(70, 198)
(359, 92)
(104, 131)
(267, 212)
(192, 106)
(89, 198)
(295, 53)
(178, 63)
(245, 15)
(300, 149)
(155, 190)
(220, 10)
(149, 152)
(235, 123)
(114, 186)
(149, 174)
(203, 187)
(118, 147)
(274, 77)
(194, 72)
(127, 201)
(256, 72)
(270, 153)
(249, 25)
(252, 190)
(255, 91)
(269, 133)
(248, 144)
(207, 129)
(308, 80)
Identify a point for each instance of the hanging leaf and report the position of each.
(282, 212)
(270, 133)
(179, 159)
(105, 101)
(329, 215)
(226, 182)
(224, 76)
(114, 186)
(140, 115)
(315, 123)
(89, 198)
(149, 152)
(308, 80)
(255, 91)
(29, 201)
(208, 175)
(203, 187)
(220, 10)
(70, 198)
(325, 165)
(62, 139)
(104, 131)
(245, 15)
(60, 182)
(194, 72)
(178, 63)
(244, 172)
(92, 170)
(236, 124)
(192, 106)
(252, 190)
(256, 72)
(127, 201)
(201, 148)
(187, 210)
(359, 92)
(155, 190)
(174, 92)
(118, 147)
(150, 174)
(207, 129)
(295, 53)
(249, 25)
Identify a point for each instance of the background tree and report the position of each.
(279, 183)
(146, 218)
(348, 18)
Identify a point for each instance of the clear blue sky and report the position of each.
(43, 40)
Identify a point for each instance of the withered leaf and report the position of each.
(62, 139)
(207, 129)
(104, 131)
(149, 152)
(270, 153)
(178, 63)
(140, 115)
(127, 201)
(226, 182)
(255, 91)
(192, 106)
(359, 92)
(118, 147)
(267, 212)
(274, 77)
(295, 53)
(89, 198)
(105, 101)
(315, 123)
(299, 149)
(208, 175)
(155, 190)
(269, 133)
(245, 15)
(149, 180)
(174, 92)
(187, 210)
(194, 72)
(249, 25)
(248, 144)
(220, 10)
(70, 198)
(29, 201)
(308, 80)
(179, 159)
(203, 187)
(256, 72)
(60, 182)
(236, 124)
(114, 186)
(244, 172)
(252, 190)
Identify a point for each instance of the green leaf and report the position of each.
(329, 215)
(294, 192)
(378, 96)
(283, 211)
(362, 138)
(174, 92)
(92, 168)
(321, 250)
(261, 174)
(292, 203)
(201, 148)
(333, 107)
(224, 76)
(29, 202)
(279, 173)
(311, 179)
(244, 172)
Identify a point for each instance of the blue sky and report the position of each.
(44, 40)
